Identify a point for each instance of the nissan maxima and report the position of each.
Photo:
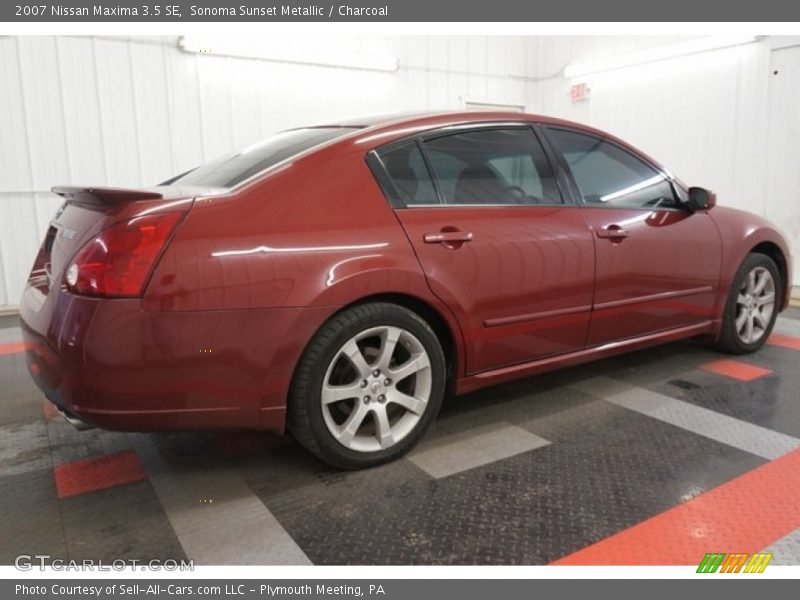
(341, 280)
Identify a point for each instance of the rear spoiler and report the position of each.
(104, 196)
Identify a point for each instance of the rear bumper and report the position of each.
(110, 364)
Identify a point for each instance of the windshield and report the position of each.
(232, 169)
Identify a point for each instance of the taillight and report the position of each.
(119, 260)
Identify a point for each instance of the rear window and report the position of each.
(233, 169)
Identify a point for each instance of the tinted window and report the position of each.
(233, 169)
(492, 167)
(409, 176)
(608, 175)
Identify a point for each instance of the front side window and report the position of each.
(493, 166)
(233, 169)
(607, 175)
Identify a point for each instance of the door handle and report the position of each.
(612, 232)
(448, 237)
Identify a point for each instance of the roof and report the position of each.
(399, 118)
(409, 122)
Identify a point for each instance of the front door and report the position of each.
(497, 243)
(657, 263)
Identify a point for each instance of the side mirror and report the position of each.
(701, 199)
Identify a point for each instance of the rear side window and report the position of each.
(607, 175)
(493, 166)
(231, 170)
(410, 182)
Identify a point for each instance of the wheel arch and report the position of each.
(773, 251)
(439, 323)
(447, 331)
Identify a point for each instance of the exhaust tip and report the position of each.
(77, 423)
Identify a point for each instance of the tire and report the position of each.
(358, 400)
(749, 316)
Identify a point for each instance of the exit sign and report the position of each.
(579, 92)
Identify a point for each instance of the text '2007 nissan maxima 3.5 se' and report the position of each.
(340, 280)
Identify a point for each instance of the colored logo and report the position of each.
(719, 562)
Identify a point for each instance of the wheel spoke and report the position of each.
(765, 299)
(749, 329)
(741, 320)
(388, 345)
(413, 365)
(415, 405)
(751, 282)
(334, 393)
(762, 320)
(762, 277)
(350, 427)
(353, 352)
(383, 429)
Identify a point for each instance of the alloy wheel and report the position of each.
(755, 305)
(376, 389)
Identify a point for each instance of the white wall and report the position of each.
(134, 111)
(782, 156)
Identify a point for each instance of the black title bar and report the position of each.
(399, 10)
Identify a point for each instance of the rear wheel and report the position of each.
(752, 306)
(368, 386)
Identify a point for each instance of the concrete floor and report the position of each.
(656, 457)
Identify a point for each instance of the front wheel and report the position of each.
(752, 306)
(368, 386)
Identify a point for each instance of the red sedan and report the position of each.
(342, 279)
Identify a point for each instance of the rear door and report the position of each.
(496, 240)
(658, 263)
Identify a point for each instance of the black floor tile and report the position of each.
(123, 522)
(30, 522)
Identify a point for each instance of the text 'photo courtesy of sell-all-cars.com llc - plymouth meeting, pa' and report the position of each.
(341, 280)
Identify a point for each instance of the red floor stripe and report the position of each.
(97, 473)
(746, 514)
(736, 369)
(784, 341)
(14, 348)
